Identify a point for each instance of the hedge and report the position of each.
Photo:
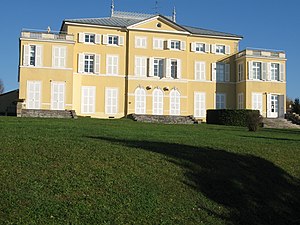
(230, 117)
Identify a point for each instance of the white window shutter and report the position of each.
(281, 72)
(227, 72)
(144, 66)
(183, 45)
(168, 68)
(97, 39)
(213, 49)
(137, 66)
(202, 71)
(213, 71)
(197, 70)
(179, 69)
(97, 64)
(227, 49)
(268, 105)
(64, 57)
(26, 55)
(39, 53)
(264, 71)
(151, 67)
(81, 37)
(269, 71)
(80, 63)
(104, 39)
(250, 70)
(207, 48)
(193, 47)
(168, 44)
(121, 40)
(54, 52)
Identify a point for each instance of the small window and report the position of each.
(220, 49)
(175, 45)
(200, 47)
(113, 40)
(141, 42)
(89, 38)
(158, 44)
(256, 70)
(32, 55)
(158, 68)
(274, 71)
(89, 63)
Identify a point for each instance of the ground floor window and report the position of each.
(257, 102)
(220, 101)
(158, 102)
(199, 104)
(88, 94)
(174, 102)
(111, 101)
(140, 101)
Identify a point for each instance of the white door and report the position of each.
(33, 95)
(274, 109)
(58, 95)
(199, 104)
(140, 101)
(158, 102)
(174, 103)
(88, 97)
(257, 102)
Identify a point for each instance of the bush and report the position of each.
(230, 117)
(254, 120)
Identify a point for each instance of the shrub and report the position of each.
(230, 117)
(254, 120)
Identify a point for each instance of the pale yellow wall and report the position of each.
(152, 24)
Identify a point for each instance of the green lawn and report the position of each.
(90, 171)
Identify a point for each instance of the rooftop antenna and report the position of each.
(156, 7)
(112, 8)
(174, 15)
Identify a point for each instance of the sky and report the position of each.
(268, 24)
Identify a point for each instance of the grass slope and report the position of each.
(90, 171)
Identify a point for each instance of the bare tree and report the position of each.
(1, 87)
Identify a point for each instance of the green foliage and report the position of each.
(91, 171)
(296, 106)
(254, 120)
(229, 117)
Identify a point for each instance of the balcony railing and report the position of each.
(261, 53)
(44, 35)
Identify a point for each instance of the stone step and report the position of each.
(40, 113)
(163, 119)
(279, 123)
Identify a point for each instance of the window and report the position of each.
(89, 38)
(113, 40)
(175, 45)
(200, 71)
(89, 63)
(158, 43)
(140, 101)
(59, 57)
(240, 72)
(199, 104)
(220, 101)
(174, 68)
(158, 102)
(200, 47)
(88, 94)
(112, 65)
(141, 42)
(220, 72)
(32, 55)
(274, 71)
(33, 100)
(256, 67)
(158, 65)
(240, 101)
(111, 101)
(174, 103)
(140, 66)
(220, 49)
(257, 102)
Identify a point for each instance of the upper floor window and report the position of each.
(158, 67)
(32, 55)
(141, 42)
(158, 43)
(200, 72)
(112, 64)
(256, 67)
(220, 72)
(89, 38)
(59, 57)
(113, 40)
(274, 71)
(89, 63)
(240, 72)
(174, 67)
(220, 49)
(140, 66)
(175, 45)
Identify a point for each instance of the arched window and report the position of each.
(158, 102)
(174, 103)
(140, 101)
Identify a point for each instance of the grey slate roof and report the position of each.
(125, 19)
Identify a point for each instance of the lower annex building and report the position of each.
(132, 63)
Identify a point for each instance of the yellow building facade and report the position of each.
(146, 64)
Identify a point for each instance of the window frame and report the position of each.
(89, 63)
(256, 70)
(141, 42)
(218, 50)
(159, 71)
(220, 75)
(159, 42)
(274, 71)
(175, 45)
(220, 104)
(175, 102)
(114, 67)
(90, 36)
(111, 39)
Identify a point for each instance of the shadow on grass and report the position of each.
(254, 189)
(270, 138)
